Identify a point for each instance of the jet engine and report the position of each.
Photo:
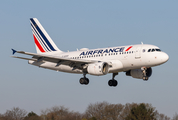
(140, 74)
(99, 68)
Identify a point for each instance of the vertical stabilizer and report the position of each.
(42, 40)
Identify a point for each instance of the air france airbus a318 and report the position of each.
(135, 60)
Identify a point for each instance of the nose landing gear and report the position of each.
(145, 77)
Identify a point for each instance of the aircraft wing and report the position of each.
(54, 59)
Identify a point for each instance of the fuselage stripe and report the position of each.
(128, 48)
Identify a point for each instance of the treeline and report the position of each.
(96, 111)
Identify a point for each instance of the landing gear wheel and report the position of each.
(145, 78)
(81, 80)
(115, 83)
(84, 81)
(112, 83)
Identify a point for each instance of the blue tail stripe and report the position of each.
(43, 36)
(41, 40)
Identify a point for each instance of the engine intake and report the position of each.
(99, 68)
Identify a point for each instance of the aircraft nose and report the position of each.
(164, 57)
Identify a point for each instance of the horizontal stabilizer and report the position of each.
(13, 51)
(24, 58)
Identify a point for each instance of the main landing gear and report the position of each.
(84, 80)
(113, 82)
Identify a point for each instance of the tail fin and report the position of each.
(43, 41)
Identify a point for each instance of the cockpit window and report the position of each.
(158, 50)
(153, 50)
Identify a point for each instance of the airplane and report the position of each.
(135, 60)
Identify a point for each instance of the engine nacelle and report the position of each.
(138, 73)
(99, 68)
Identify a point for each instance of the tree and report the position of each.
(175, 117)
(142, 112)
(126, 110)
(162, 117)
(60, 113)
(32, 116)
(103, 111)
(14, 114)
(93, 118)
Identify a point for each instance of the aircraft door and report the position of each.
(138, 53)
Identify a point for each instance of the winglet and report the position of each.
(13, 51)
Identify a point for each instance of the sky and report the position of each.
(87, 24)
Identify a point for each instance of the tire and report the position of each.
(86, 81)
(82, 81)
(115, 83)
(145, 78)
(110, 83)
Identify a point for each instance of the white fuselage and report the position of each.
(122, 58)
(135, 60)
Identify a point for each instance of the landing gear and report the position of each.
(84, 80)
(113, 82)
(145, 77)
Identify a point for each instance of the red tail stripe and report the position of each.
(38, 44)
(128, 48)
